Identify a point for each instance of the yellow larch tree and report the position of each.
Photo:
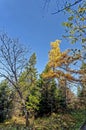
(60, 67)
(60, 62)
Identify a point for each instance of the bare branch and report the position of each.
(67, 6)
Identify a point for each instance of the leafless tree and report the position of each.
(12, 63)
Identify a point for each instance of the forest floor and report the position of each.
(67, 121)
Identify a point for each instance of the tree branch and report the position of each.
(60, 10)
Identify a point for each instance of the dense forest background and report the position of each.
(54, 99)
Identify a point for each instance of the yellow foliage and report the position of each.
(55, 44)
(18, 120)
(15, 120)
(49, 74)
(54, 54)
(58, 59)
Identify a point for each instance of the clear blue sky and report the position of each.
(26, 20)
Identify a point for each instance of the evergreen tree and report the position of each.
(49, 94)
(5, 101)
(28, 79)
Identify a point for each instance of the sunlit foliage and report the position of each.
(60, 63)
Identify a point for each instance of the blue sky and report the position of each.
(26, 20)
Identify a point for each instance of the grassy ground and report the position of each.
(67, 121)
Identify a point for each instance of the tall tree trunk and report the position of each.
(26, 113)
(31, 119)
(27, 119)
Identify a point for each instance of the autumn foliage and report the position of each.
(60, 64)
